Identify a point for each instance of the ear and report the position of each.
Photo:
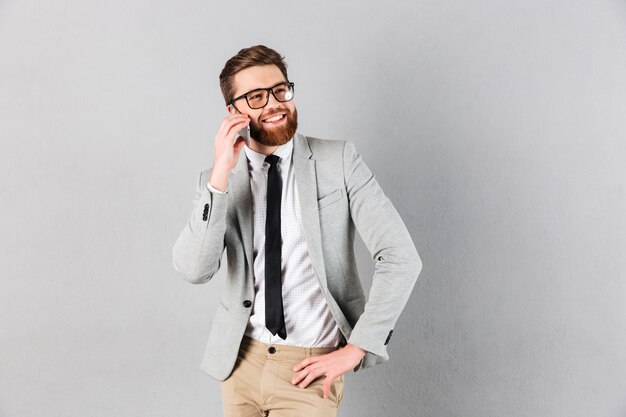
(231, 109)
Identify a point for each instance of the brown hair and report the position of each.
(246, 58)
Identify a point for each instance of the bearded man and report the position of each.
(293, 318)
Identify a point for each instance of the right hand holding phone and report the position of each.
(227, 149)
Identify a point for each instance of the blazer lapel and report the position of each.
(242, 196)
(307, 192)
(304, 168)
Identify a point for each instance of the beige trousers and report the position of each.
(260, 384)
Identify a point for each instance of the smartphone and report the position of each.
(245, 134)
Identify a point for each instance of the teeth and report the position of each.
(273, 119)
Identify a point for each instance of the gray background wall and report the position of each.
(496, 127)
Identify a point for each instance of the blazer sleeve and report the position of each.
(197, 252)
(397, 263)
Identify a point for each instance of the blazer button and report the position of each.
(272, 349)
(247, 303)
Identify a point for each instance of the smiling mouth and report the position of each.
(275, 119)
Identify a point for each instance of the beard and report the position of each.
(275, 136)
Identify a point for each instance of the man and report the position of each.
(293, 319)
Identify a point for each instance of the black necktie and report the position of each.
(274, 316)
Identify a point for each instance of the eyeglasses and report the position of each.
(259, 97)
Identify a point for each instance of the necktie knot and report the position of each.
(272, 159)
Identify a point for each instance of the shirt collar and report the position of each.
(257, 159)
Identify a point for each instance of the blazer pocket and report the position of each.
(330, 198)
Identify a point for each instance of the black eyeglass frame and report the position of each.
(269, 90)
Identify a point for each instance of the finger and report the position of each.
(236, 116)
(301, 364)
(232, 117)
(229, 121)
(306, 371)
(234, 129)
(308, 361)
(299, 377)
(327, 383)
(312, 376)
(239, 142)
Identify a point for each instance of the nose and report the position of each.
(271, 101)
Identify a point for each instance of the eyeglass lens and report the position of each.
(259, 98)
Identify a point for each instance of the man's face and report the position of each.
(263, 126)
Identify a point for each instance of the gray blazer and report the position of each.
(338, 195)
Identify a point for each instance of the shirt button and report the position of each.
(272, 349)
(247, 303)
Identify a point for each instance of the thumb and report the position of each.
(327, 382)
(238, 145)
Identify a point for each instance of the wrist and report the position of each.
(357, 350)
(219, 180)
(218, 173)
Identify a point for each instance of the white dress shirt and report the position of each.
(308, 320)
